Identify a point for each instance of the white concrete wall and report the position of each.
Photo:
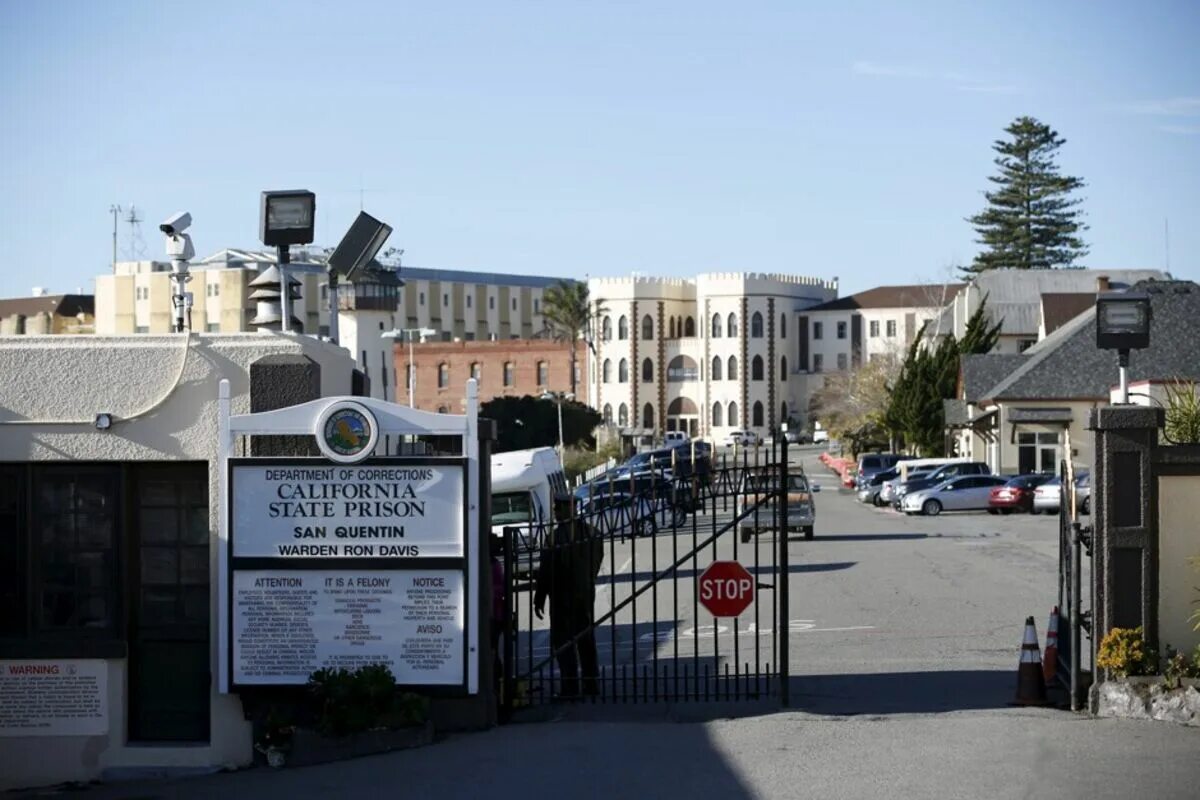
(1178, 544)
(162, 414)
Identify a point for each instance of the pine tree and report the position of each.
(1031, 221)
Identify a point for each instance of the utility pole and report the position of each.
(115, 210)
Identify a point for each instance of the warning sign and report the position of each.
(54, 698)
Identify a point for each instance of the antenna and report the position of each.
(1166, 244)
(135, 248)
(115, 210)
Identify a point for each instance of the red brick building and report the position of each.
(506, 367)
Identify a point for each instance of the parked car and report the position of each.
(889, 488)
(820, 435)
(742, 438)
(1047, 497)
(964, 493)
(675, 439)
(1016, 495)
(793, 436)
(623, 515)
(871, 463)
(801, 510)
(869, 490)
(939, 475)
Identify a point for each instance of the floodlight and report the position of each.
(287, 217)
(360, 244)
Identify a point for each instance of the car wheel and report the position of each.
(647, 527)
(745, 533)
(678, 517)
(1006, 511)
(875, 501)
(993, 511)
(808, 531)
(931, 508)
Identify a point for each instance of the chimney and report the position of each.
(1101, 284)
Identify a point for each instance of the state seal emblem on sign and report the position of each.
(347, 432)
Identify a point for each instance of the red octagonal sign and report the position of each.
(726, 588)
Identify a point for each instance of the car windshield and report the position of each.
(510, 508)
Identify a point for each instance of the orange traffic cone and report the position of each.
(1031, 683)
(1050, 662)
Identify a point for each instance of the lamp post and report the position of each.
(286, 218)
(412, 369)
(558, 398)
(1123, 324)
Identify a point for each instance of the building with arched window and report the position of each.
(703, 352)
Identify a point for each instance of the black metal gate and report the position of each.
(1075, 620)
(617, 579)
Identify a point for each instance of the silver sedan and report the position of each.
(964, 493)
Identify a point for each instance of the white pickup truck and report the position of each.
(801, 510)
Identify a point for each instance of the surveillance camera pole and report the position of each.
(179, 248)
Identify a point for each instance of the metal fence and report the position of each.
(1074, 546)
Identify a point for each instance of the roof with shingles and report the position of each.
(1068, 365)
(61, 305)
(932, 295)
(979, 373)
(1059, 308)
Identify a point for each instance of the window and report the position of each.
(608, 414)
(783, 368)
(213, 289)
(1025, 344)
(715, 374)
(647, 416)
(689, 327)
(758, 413)
(443, 375)
(783, 326)
(623, 328)
(623, 371)
(783, 415)
(468, 301)
(733, 418)
(421, 298)
(891, 329)
(716, 326)
(445, 300)
(841, 330)
(731, 326)
(606, 329)
(606, 371)
(623, 415)
(841, 361)
(491, 303)
(756, 369)
(683, 368)
(647, 327)
(818, 330)
(873, 329)
(818, 362)
(543, 373)
(212, 327)
(141, 329)
(443, 409)
(716, 415)
(1037, 452)
(508, 373)
(731, 373)
(537, 307)
(671, 328)
(756, 326)
(514, 304)
(477, 371)
(647, 370)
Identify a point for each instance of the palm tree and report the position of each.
(569, 313)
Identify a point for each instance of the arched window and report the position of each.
(783, 326)
(647, 416)
(731, 326)
(672, 328)
(508, 373)
(443, 410)
(783, 417)
(543, 373)
(607, 371)
(689, 327)
(731, 373)
(608, 413)
(758, 413)
(756, 326)
(647, 370)
(622, 328)
(756, 369)
(443, 375)
(716, 415)
(606, 329)
(733, 415)
(716, 369)
(623, 415)
(647, 327)
(783, 368)
(716, 326)
(623, 371)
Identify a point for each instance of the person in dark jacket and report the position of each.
(570, 561)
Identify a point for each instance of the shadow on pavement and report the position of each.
(903, 692)
(863, 537)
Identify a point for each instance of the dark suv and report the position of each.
(869, 464)
(940, 475)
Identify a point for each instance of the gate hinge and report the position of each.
(1085, 622)
(1083, 535)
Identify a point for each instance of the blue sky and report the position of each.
(836, 139)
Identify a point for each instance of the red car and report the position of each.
(1016, 495)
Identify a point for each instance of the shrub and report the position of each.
(365, 699)
(1123, 652)
(1183, 413)
(1177, 666)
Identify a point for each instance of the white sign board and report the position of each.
(289, 623)
(54, 697)
(362, 511)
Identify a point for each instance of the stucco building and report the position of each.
(706, 355)
(47, 313)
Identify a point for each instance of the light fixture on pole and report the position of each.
(410, 333)
(286, 218)
(355, 251)
(1123, 324)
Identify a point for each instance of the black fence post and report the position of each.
(782, 626)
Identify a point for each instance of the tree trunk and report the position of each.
(573, 356)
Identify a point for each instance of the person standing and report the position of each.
(570, 562)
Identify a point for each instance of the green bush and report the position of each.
(1123, 652)
(366, 699)
(1177, 666)
(1183, 413)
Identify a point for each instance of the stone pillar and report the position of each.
(279, 381)
(1125, 520)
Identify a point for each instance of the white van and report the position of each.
(914, 463)
(524, 483)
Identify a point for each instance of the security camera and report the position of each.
(176, 224)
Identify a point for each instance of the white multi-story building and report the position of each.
(706, 355)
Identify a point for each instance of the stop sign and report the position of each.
(726, 588)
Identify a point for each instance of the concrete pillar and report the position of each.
(279, 381)
(1125, 520)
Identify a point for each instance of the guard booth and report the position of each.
(352, 557)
